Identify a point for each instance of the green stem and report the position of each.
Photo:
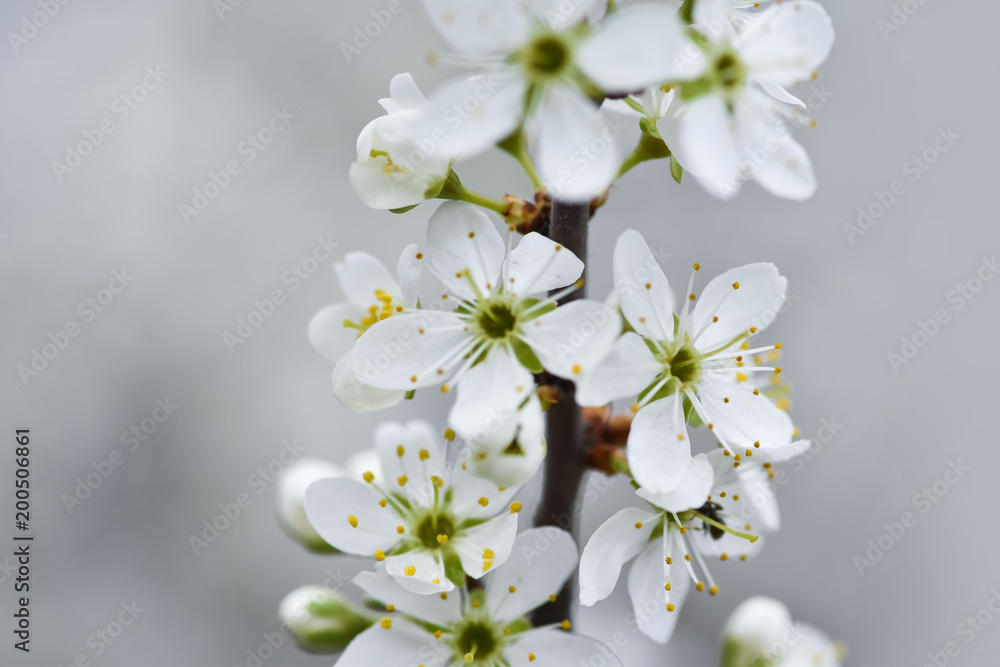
(515, 145)
(455, 190)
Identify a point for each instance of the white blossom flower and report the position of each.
(730, 124)
(430, 524)
(761, 632)
(505, 459)
(695, 363)
(482, 628)
(394, 170)
(500, 329)
(373, 294)
(543, 67)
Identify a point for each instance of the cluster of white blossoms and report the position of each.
(458, 575)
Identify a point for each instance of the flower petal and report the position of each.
(360, 275)
(347, 514)
(480, 27)
(477, 498)
(410, 455)
(627, 370)
(575, 150)
(690, 493)
(404, 94)
(409, 269)
(496, 460)
(357, 396)
(327, 333)
(435, 609)
(659, 452)
(700, 134)
(757, 301)
(488, 397)
(541, 561)
(419, 571)
(638, 47)
(464, 248)
(642, 289)
(552, 647)
(747, 420)
(467, 116)
(617, 541)
(487, 545)
(539, 264)
(402, 645)
(787, 42)
(426, 345)
(573, 339)
(646, 586)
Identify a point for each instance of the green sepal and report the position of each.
(403, 209)
(410, 394)
(526, 356)
(453, 567)
(691, 89)
(676, 170)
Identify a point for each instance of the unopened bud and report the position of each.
(290, 495)
(322, 620)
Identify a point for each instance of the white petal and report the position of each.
(360, 275)
(780, 94)
(331, 502)
(616, 542)
(573, 339)
(539, 264)
(627, 370)
(488, 397)
(461, 239)
(435, 609)
(541, 561)
(410, 454)
(403, 94)
(787, 42)
(476, 498)
(701, 137)
(412, 345)
(408, 272)
(551, 647)
(659, 452)
(327, 333)
(491, 459)
(480, 27)
(749, 483)
(646, 582)
(642, 289)
(487, 545)
(357, 396)
(747, 419)
(759, 621)
(559, 14)
(814, 649)
(782, 453)
(690, 493)
(403, 645)
(638, 47)
(428, 575)
(761, 294)
(575, 150)
(467, 116)
(771, 156)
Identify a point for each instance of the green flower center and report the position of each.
(685, 365)
(477, 639)
(547, 56)
(730, 73)
(434, 530)
(496, 320)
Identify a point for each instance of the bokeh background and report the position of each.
(885, 433)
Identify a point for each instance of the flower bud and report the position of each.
(290, 498)
(322, 620)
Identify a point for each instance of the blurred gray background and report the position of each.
(882, 98)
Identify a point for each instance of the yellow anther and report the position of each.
(390, 607)
(512, 589)
(700, 586)
(409, 570)
(443, 596)
(713, 590)
(402, 479)
(552, 598)
(424, 454)
(577, 369)
(671, 607)
(488, 553)
(484, 501)
(449, 434)
(743, 556)
(777, 370)
(442, 539)
(515, 508)
(565, 625)
(386, 623)
(400, 451)
(379, 555)
(383, 502)
(741, 377)
(438, 633)
(638, 524)
(353, 520)
(400, 529)
(756, 391)
(531, 656)
(696, 266)
(753, 330)
(724, 557)
(369, 476)
(736, 285)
